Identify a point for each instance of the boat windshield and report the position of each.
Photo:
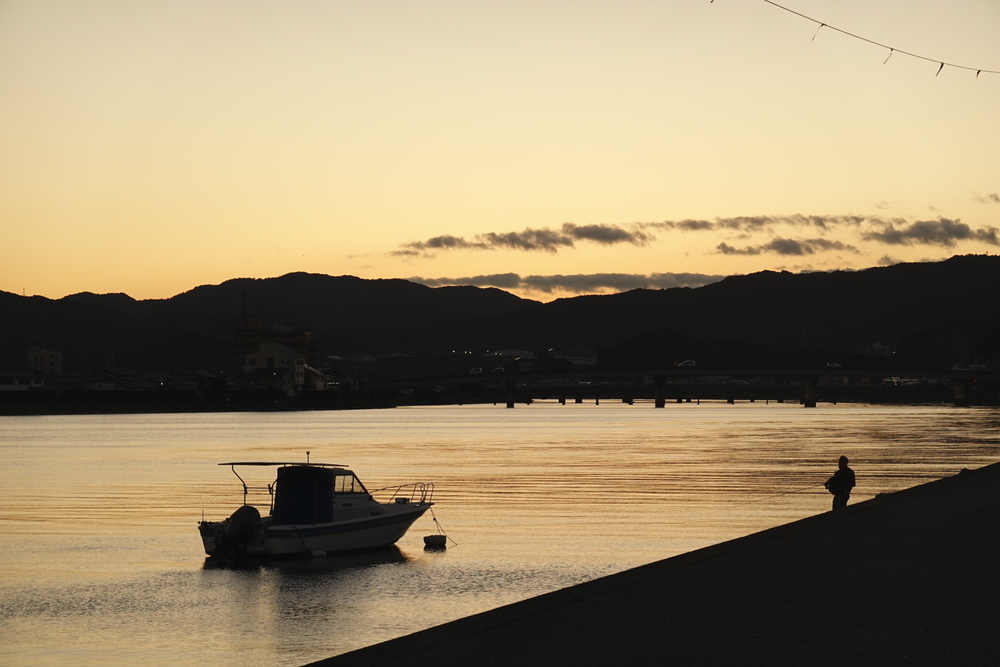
(348, 483)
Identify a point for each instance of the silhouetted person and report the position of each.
(840, 484)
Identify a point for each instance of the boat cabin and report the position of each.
(310, 494)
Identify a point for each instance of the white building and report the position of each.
(46, 362)
(274, 356)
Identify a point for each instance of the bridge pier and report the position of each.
(961, 389)
(562, 399)
(659, 401)
(510, 393)
(809, 391)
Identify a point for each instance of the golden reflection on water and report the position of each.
(99, 533)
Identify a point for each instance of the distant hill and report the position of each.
(839, 309)
(835, 311)
(193, 330)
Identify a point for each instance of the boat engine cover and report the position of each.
(242, 528)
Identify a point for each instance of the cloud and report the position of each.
(445, 242)
(891, 231)
(941, 232)
(886, 260)
(449, 242)
(991, 198)
(606, 234)
(782, 246)
(529, 239)
(758, 223)
(544, 239)
(693, 225)
(618, 282)
(578, 283)
(501, 280)
(670, 280)
(726, 249)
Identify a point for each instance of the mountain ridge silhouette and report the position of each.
(835, 310)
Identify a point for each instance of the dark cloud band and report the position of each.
(759, 223)
(889, 231)
(942, 232)
(544, 239)
(578, 283)
(793, 247)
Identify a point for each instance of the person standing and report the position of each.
(840, 484)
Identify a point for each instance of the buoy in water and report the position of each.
(435, 541)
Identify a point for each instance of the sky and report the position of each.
(546, 147)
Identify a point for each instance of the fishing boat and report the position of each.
(314, 509)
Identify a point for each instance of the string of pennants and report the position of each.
(940, 63)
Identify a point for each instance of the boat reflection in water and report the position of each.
(314, 509)
(334, 564)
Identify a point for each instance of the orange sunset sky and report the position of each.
(550, 147)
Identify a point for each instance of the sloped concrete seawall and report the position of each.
(909, 578)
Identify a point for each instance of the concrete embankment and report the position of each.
(909, 578)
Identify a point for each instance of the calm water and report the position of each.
(102, 565)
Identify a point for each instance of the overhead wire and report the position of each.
(941, 63)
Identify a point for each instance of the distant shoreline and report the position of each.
(177, 403)
(162, 402)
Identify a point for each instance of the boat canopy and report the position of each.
(305, 494)
(283, 463)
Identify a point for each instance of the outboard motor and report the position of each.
(241, 531)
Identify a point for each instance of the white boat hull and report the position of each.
(335, 537)
(341, 537)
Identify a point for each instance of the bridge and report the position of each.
(688, 384)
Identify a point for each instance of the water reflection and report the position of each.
(297, 566)
(100, 542)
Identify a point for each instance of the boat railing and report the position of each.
(258, 489)
(421, 493)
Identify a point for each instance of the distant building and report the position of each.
(20, 380)
(46, 362)
(249, 337)
(280, 379)
(270, 358)
(949, 347)
(100, 382)
(315, 380)
(578, 356)
(522, 360)
(128, 380)
(880, 350)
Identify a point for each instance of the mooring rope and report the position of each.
(440, 529)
